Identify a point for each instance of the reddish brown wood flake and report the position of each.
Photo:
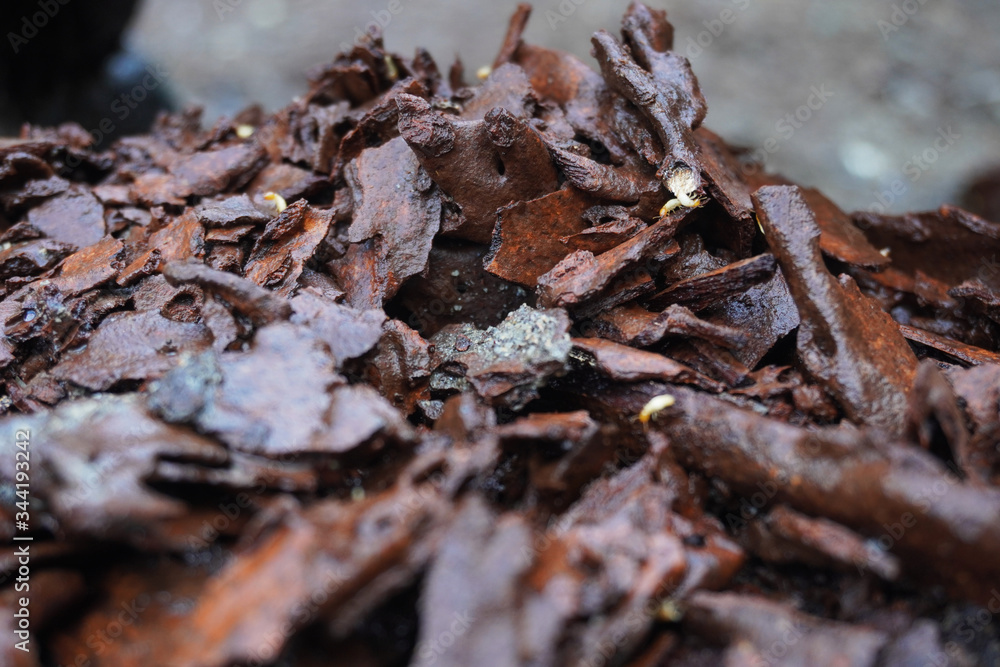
(413, 372)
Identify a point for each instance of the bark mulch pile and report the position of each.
(530, 372)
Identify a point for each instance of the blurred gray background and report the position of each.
(929, 70)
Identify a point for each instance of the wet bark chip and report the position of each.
(524, 372)
(844, 338)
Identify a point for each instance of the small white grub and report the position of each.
(654, 407)
(390, 68)
(279, 202)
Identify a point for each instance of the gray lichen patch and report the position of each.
(505, 364)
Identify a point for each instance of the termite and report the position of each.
(653, 407)
(683, 185)
(279, 202)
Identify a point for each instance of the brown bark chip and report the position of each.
(413, 372)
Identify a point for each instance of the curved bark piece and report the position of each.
(663, 97)
(845, 340)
